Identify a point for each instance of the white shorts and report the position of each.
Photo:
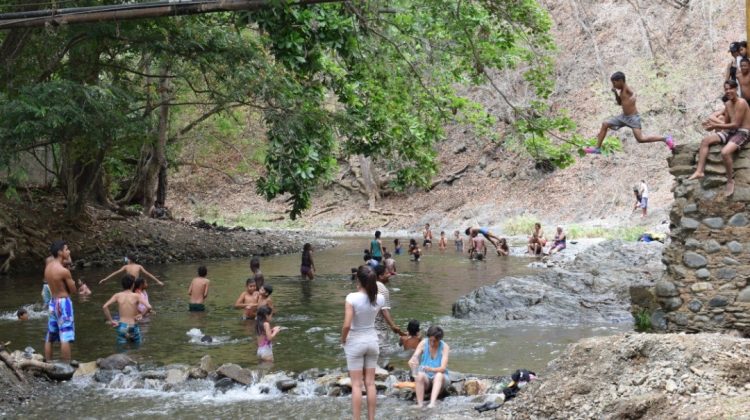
(361, 354)
(265, 352)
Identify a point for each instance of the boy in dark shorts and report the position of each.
(733, 134)
(625, 97)
(198, 291)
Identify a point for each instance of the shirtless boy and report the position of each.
(133, 269)
(443, 242)
(625, 97)
(473, 231)
(743, 78)
(128, 330)
(477, 247)
(733, 134)
(60, 325)
(248, 300)
(198, 291)
(427, 234)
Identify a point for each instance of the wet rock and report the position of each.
(474, 387)
(197, 373)
(85, 369)
(224, 384)
(329, 380)
(694, 260)
(381, 374)
(207, 364)
(115, 362)
(380, 386)
(345, 383)
(335, 392)
(285, 385)
(236, 373)
(176, 376)
(154, 374)
(104, 376)
(405, 394)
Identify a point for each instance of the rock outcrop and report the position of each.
(706, 287)
(593, 287)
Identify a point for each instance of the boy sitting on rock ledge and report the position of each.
(733, 134)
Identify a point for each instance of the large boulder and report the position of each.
(235, 373)
(593, 287)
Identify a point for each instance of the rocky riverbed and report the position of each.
(592, 286)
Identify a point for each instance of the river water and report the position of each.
(311, 312)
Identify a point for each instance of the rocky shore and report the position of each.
(591, 287)
(633, 376)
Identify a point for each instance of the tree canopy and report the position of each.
(373, 78)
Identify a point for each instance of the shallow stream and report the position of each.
(311, 311)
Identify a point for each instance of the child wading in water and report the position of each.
(265, 333)
(625, 97)
(307, 268)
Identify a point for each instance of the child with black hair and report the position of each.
(22, 314)
(411, 341)
(265, 333)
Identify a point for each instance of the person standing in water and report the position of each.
(266, 334)
(376, 248)
(307, 268)
(257, 274)
(264, 296)
(443, 241)
(248, 300)
(625, 97)
(128, 330)
(60, 325)
(427, 234)
(198, 291)
(458, 241)
(134, 269)
(360, 339)
(396, 247)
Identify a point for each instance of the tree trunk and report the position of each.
(78, 175)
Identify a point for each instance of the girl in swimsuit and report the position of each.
(307, 268)
(265, 333)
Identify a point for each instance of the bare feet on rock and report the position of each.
(730, 188)
(696, 175)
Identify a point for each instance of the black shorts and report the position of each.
(426, 242)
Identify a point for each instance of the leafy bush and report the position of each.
(519, 225)
(643, 321)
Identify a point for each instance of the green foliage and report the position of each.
(643, 321)
(519, 225)
(330, 81)
(626, 233)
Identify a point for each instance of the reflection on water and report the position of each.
(312, 312)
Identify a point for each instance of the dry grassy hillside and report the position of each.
(673, 56)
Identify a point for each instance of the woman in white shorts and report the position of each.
(360, 339)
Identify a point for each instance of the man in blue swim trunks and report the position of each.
(476, 230)
(128, 330)
(60, 326)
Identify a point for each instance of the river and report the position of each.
(311, 312)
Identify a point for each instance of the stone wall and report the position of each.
(705, 287)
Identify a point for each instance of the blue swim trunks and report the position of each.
(127, 334)
(484, 231)
(60, 325)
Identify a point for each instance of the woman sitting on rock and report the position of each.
(560, 241)
(430, 360)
